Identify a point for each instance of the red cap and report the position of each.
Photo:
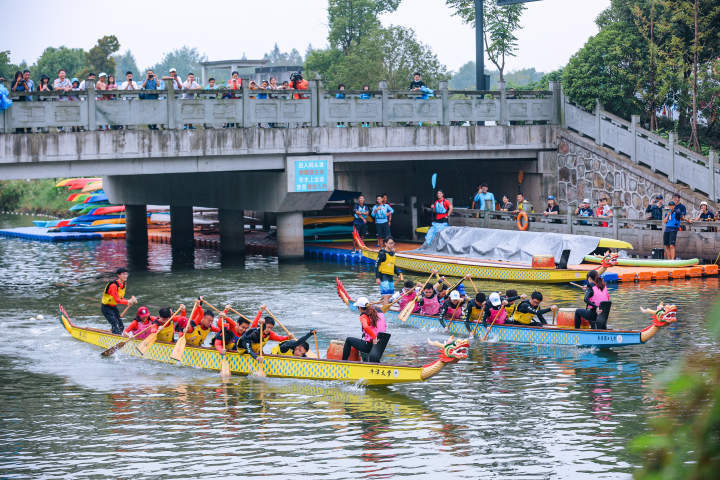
(143, 312)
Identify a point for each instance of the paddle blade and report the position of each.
(178, 349)
(114, 348)
(407, 310)
(433, 180)
(225, 368)
(145, 345)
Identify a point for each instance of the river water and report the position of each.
(509, 411)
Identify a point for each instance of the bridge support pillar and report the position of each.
(232, 231)
(181, 228)
(136, 236)
(291, 244)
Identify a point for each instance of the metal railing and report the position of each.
(173, 109)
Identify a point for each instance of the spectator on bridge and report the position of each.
(680, 209)
(235, 83)
(102, 83)
(177, 84)
(522, 204)
(129, 83)
(365, 96)
(673, 219)
(417, 84)
(272, 84)
(62, 84)
(150, 83)
(655, 210)
(298, 83)
(603, 210)
(552, 207)
(285, 85)
(91, 76)
(190, 84)
(483, 199)
(506, 204)
(584, 210)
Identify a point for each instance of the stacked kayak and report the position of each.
(646, 262)
(328, 229)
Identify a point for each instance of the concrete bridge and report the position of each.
(272, 152)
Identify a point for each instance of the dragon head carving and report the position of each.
(609, 260)
(662, 315)
(452, 350)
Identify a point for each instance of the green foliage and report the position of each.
(125, 63)
(607, 68)
(685, 441)
(277, 58)
(7, 69)
(184, 60)
(73, 60)
(500, 25)
(391, 54)
(352, 20)
(99, 58)
(33, 196)
(523, 79)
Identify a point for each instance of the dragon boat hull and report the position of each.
(481, 269)
(546, 335)
(278, 366)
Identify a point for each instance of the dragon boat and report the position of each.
(662, 316)
(478, 269)
(279, 366)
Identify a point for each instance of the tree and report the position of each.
(352, 20)
(125, 63)
(72, 60)
(185, 60)
(500, 24)
(7, 69)
(607, 68)
(99, 58)
(645, 18)
(278, 58)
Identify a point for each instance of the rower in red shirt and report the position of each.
(201, 324)
(139, 328)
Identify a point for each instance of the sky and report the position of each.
(552, 29)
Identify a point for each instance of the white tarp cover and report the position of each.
(508, 245)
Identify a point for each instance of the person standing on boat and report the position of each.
(372, 324)
(597, 301)
(527, 310)
(441, 210)
(382, 213)
(114, 294)
(385, 269)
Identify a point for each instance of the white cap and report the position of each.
(494, 299)
(703, 203)
(102, 74)
(586, 200)
(362, 302)
(454, 295)
(173, 70)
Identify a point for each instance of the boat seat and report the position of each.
(377, 350)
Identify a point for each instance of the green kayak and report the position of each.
(646, 262)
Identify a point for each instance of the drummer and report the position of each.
(596, 298)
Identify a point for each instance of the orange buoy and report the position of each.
(522, 221)
(543, 261)
(566, 319)
(335, 350)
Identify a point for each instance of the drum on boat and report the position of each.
(543, 261)
(335, 351)
(566, 319)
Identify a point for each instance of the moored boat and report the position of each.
(279, 366)
(545, 335)
(646, 262)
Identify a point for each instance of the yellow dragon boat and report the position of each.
(279, 366)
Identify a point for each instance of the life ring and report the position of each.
(520, 224)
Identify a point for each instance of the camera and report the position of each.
(294, 77)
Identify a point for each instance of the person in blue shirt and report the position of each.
(672, 224)
(382, 213)
(654, 211)
(584, 210)
(482, 197)
(360, 214)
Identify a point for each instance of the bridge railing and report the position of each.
(174, 109)
(662, 155)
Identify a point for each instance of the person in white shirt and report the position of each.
(91, 76)
(190, 84)
(129, 84)
(177, 84)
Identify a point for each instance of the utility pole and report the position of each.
(479, 47)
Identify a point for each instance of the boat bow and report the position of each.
(451, 351)
(662, 316)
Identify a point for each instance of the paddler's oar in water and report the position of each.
(179, 348)
(150, 340)
(120, 345)
(405, 313)
(487, 332)
(387, 306)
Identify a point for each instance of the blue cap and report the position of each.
(551, 197)
(461, 289)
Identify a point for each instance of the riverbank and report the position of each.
(37, 197)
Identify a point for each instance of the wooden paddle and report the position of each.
(582, 287)
(317, 349)
(130, 304)
(487, 332)
(455, 311)
(260, 371)
(278, 322)
(120, 345)
(239, 314)
(473, 284)
(407, 310)
(150, 340)
(179, 348)
(224, 364)
(387, 306)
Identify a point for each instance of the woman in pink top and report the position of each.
(373, 324)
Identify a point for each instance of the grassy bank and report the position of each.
(34, 196)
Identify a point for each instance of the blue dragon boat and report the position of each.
(662, 316)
